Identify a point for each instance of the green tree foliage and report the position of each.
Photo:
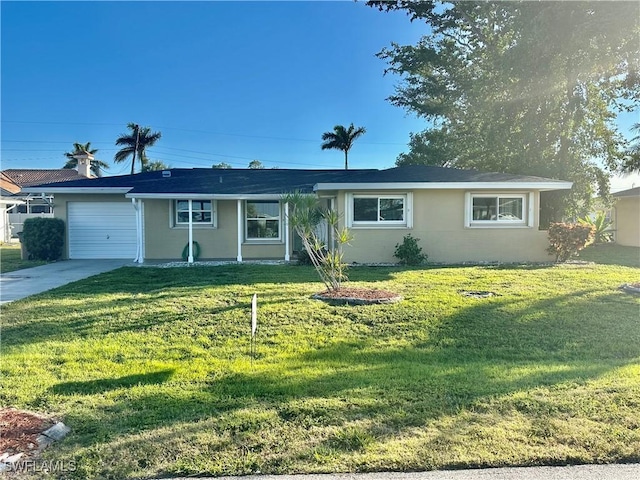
(78, 149)
(521, 87)
(631, 163)
(143, 137)
(222, 165)
(342, 139)
(255, 165)
(154, 166)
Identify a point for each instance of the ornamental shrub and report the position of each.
(43, 238)
(305, 215)
(602, 227)
(567, 239)
(409, 252)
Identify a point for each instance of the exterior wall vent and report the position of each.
(166, 173)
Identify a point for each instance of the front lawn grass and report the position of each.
(151, 370)
(611, 254)
(10, 259)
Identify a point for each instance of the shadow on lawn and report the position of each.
(481, 352)
(96, 318)
(134, 280)
(92, 387)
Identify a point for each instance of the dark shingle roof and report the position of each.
(278, 181)
(32, 177)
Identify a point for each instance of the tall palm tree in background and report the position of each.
(135, 143)
(342, 139)
(78, 149)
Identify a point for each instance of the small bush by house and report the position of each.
(43, 238)
(567, 239)
(409, 252)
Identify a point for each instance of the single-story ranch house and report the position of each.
(238, 214)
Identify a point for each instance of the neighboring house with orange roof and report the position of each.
(7, 202)
(16, 206)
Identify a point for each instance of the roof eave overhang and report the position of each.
(83, 190)
(11, 201)
(204, 196)
(542, 186)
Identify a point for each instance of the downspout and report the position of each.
(190, 257)
(136, 207)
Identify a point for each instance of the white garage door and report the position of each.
(101, 230)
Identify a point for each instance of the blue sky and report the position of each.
(223, 81)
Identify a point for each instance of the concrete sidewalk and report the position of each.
(23, 283)
(575, 472)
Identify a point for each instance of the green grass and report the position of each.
(10, 260)
(151, 370)
(611, 254)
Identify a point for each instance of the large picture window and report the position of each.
(263, 220)
(498, 209)
(202, 212)
(388, 210)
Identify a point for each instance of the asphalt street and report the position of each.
(575, 472)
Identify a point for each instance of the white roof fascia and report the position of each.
(203, 196)
(552, 185)
(10, 201)
(83, 190)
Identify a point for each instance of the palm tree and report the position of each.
(78, 149)
(136, 143)
(342, 139)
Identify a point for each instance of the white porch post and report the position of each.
(190, 257)
(287, 256)
(239, 207)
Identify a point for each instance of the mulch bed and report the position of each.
(357, 296)
(20, 430)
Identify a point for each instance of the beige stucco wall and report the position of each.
(627, 221)
(438, 221)
(162, 241)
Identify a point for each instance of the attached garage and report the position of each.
(101, 230)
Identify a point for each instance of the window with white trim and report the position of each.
(504, 209)
(379, 209)
(202, 212)
(262, 220)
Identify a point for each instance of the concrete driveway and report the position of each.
(23, 283)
